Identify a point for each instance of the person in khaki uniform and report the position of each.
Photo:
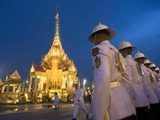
(111, 100)
(152, 97)
(135, 77)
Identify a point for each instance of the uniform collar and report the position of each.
(129, 56)
(105, 42)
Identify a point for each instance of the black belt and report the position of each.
(146, 109)
(132, 117)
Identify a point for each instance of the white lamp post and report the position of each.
(84, 82)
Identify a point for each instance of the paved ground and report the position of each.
(39, 112)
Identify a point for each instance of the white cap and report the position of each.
(147, 61)
(152, 65)
(139, 55)
(125, 44)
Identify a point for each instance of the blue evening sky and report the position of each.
(27, 28)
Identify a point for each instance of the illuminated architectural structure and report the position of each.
(1, 85)
(56, 73)
(11, 89)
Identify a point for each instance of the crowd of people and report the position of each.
(126, 86)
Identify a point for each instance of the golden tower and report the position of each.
(56, 73)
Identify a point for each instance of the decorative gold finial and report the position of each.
(57, 25)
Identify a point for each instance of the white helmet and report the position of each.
(157, 69)
(139, 55)
(125, 44)
(152, 65)
(101, 27)
(147, 61)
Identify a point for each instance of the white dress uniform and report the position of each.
(155, 83)
(152, 97)
(79, 104)
(140, 98)
(158, 86)
(110, 95)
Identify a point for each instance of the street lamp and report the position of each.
(84, 82)
(27, 81)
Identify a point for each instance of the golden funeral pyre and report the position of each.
(56, 73)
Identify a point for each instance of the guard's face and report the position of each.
(146, 65)
(99, 37)
(126, 51)
(140, 60)
(95, 41)
(152, 69)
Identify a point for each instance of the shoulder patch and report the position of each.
(95, 51)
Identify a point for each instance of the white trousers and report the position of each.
(79, 107)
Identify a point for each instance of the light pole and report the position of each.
(84, 82)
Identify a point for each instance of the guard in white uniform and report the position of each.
(111, 100)
(153, 99)
(151, 67)
(147, 62)
(157, 70)
(134, 75)
(79, 104)
(153, 77)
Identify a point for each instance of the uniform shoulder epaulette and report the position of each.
(95, 51)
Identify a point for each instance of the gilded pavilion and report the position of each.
(56, 73)
(11, 89)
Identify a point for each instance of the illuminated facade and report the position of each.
(11, 89)
(56, 73)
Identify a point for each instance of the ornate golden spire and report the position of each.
(56, 49)
(57, 25)
(56, 39)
